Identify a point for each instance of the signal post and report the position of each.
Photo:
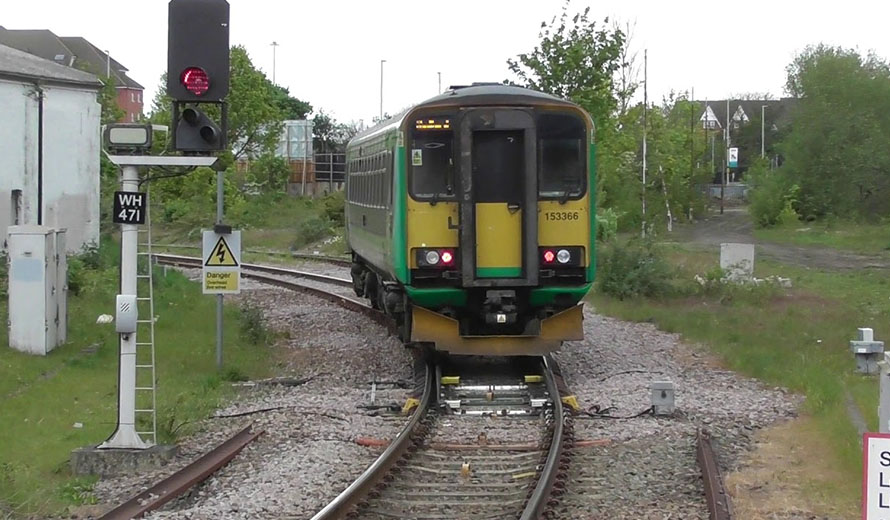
(198, 74)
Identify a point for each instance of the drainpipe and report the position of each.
(39, 154)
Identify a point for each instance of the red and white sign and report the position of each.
(876, 476)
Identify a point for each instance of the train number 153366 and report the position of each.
(562, 215)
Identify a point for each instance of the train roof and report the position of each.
(493, 94)
(477, 94)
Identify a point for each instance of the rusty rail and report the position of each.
(715, 493)
(179, 482)
(253, 270)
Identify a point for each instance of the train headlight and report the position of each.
(432, 257)
(563, 256)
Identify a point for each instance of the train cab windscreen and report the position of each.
(431, 160)
(561, 153)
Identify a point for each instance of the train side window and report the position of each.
(561, 156)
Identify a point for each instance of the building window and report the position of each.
(133, 97)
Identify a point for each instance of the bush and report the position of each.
(253, 325)
(634, 270)
(334, 207)
(606, 224)
(772, 199)
(311, 229)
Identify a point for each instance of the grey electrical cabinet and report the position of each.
(37, 289)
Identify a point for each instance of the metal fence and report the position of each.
(330, 168)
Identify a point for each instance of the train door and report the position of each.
(498, 202)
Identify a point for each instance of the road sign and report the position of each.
(222, 263)
(733, 157)
(876, 476)
(129, 207)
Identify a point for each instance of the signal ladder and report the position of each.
(146, 400)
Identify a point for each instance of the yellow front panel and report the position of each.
(498, 241)
(564, 224)
(428, 226)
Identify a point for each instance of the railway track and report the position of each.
(417, 477)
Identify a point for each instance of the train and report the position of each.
(470, 219)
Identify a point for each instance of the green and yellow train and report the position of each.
(470, 218)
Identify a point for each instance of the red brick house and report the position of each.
(79, 53)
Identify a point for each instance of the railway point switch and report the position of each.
(867, 351)
(662, 397)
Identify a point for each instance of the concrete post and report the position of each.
(884, 401)
(125, 436)
(867, 351)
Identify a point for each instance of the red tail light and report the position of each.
(549, 256)
(195, 80)
(447, 257)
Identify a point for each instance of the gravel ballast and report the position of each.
(647, 469)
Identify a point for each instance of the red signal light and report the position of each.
(549, 256)
(195, 80)
(447, 257)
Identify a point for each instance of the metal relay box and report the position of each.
(38, 289)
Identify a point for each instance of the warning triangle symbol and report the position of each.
(221, 255)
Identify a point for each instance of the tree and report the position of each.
(575, 60)
(290, 107)
(836, 149)
(331, 136)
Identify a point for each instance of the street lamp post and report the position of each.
(274, 49)
(440, 82)
(381, 88)
(762, 132)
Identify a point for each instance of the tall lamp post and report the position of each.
(274, 49)
(762, 132)
(381, 88)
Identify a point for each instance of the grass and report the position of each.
(852, 236)
(798, 339)
(68, 399)
(269, 222)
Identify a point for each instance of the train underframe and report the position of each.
(494, 321)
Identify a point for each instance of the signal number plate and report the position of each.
(562, 215)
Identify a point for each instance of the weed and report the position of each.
(234, 375)
(634, 270)
(79, 491)
(253, 324)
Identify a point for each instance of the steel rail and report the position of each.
(179, 482)
(340, 507)
(301, 256)
(717, 499)
(537, 502)
(191, 261)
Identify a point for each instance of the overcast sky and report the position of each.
(330, 50)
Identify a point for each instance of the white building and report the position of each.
(49, 147)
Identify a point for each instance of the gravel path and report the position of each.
(308, 453)
(649, 468)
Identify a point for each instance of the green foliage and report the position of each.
(289, 106)
(4, 276)
(836, 150)
(253, 324)
(79, 491)
(770, 196)
(331, 136)
(635, 270)
(575, 60)
(269, 172)
(111, 112)
(313, 228)
(606, 224)
(334, 205)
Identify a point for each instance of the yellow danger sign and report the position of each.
(223, 281)
(221, 255)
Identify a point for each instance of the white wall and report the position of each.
(71, 120)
